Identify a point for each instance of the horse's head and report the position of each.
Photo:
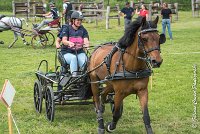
(149, 41)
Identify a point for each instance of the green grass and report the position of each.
(170, 100)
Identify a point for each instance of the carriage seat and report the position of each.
(66, 67)
(62, 60)
(55, 23)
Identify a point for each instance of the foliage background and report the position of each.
(6, 5)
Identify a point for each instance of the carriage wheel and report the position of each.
(38, 41)
(50, 38)
(50, 104)
(38, 96)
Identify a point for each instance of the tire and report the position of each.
(49, 103)
(50, 38)
(38, 41)
(38, 96)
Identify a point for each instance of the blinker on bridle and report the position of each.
(141, 44)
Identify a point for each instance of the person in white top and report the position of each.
(67, 11)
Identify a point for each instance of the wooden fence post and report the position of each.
(107, 17)
(150, 12)
(13, 6)
(193, 14)
(176, 10)
(161, 2)
(118, 9)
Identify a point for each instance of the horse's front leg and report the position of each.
(104, 94)
(143, 97)
(117, 113)
(15, 39)
(99, 108)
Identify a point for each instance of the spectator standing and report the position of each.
(67, 11)
(143, 11)
(128, 13)
(166, 14)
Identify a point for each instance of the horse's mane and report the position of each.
(129, 34)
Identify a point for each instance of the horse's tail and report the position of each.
(22, 19)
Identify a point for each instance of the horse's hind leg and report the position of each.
(118, 102)
(106, 90)
(143, 96)
(15, 39)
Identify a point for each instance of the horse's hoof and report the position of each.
(9, 46)
(1, 42)
(101, 131)
(26, 43)
(109, 128)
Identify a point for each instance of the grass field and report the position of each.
(170, 101)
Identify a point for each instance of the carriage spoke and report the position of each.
(38, 41)
(50, 38)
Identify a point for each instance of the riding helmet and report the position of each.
(77, 15)
(51, 3)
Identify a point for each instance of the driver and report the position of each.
(52, 15)
(74, 36)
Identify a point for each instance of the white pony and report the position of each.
(14, 24)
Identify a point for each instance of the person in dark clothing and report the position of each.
(128, 13)
(166, 20)
(74, 36)
(67, 11)
(52, 15)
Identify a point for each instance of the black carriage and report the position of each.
(59, 87)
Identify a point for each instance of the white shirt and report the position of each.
(65, 5)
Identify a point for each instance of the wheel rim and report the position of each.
(50, 38)
(38, 97)
(38, 41)
(50, 105)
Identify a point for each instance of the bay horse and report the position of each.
(129, 70)
(14, 24)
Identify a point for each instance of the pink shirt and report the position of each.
(78, 41)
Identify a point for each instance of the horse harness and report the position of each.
(125, 74)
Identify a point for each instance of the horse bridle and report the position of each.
(141, 43)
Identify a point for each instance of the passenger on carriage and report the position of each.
(52, 15)
(74, 36)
